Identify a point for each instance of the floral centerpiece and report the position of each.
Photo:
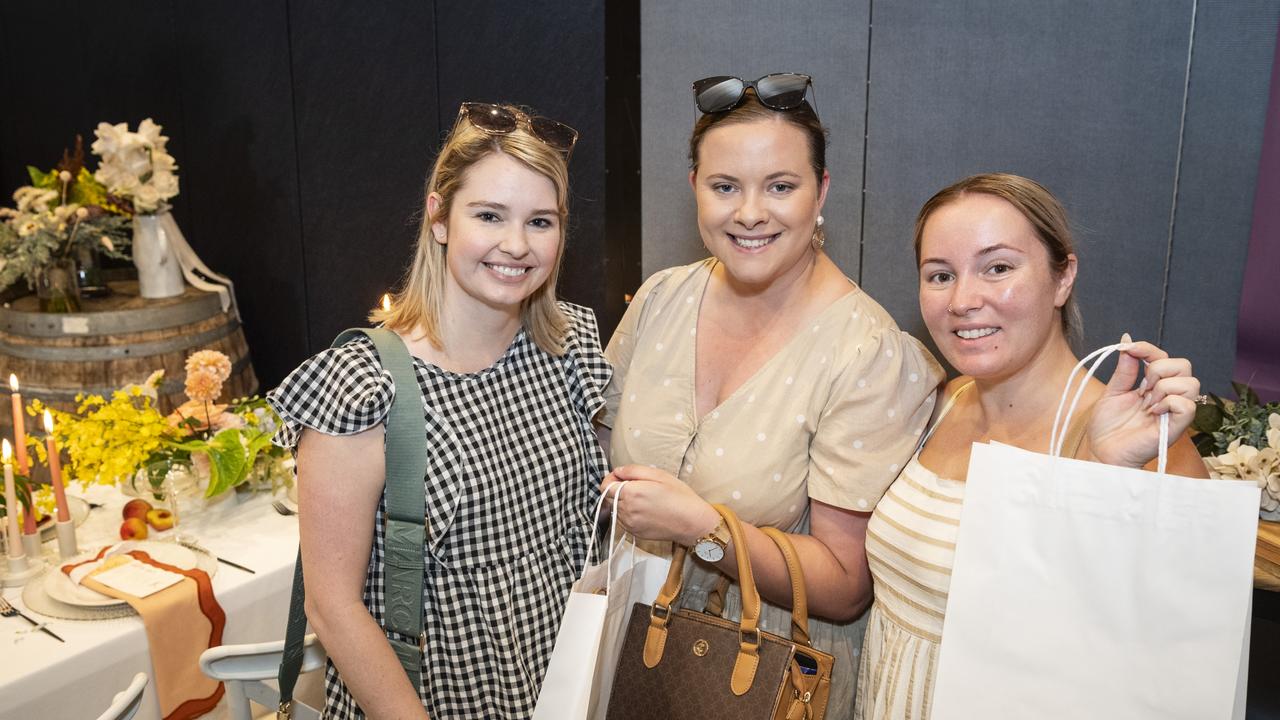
(126, 439)
(135, 165)
(1240, 440)
(62, 214)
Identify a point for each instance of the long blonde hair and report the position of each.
(419, 301)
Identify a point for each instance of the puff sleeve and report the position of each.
(340, 391)
(589, 370)
(873, 418)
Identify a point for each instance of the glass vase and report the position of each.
(89, 273)
(56, 287)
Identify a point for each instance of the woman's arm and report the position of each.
(837, 579)
(340, 482)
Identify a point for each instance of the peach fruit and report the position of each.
(160, 519)
(133, 528)
(136, 507)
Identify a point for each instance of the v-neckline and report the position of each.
(786, 346)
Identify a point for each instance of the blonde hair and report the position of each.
(419, 301)
(1046, 215)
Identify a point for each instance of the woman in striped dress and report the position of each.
(997, 268)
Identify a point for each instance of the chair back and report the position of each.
(245, 668)
(126, 702)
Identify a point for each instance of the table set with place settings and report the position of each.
(238, 547)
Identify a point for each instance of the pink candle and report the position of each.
(20, 446)
(11, 504)
(55, 470)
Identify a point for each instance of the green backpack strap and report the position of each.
(406, 533)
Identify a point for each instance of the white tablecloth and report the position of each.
(43, 678)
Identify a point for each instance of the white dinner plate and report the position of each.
(61, 588)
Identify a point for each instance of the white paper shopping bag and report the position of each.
(1083, 590)
(580, 672)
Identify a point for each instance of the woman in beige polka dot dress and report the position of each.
(764, 379)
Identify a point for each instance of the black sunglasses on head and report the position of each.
(498, 120)
(780, 91)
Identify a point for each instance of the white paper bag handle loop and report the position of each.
(1060, 424)
(613, 533)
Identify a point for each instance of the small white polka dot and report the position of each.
(888, 353)
(919, 432)
(831, 470)
(658, 347)
(777, 477)
(719, 452)
(688, 468)
(862, 503)
(815, 328)
(800, 419)
(790, 379)
(914, 377)
(893, 468)
(632, 397)
(760, 437)
(873, 320)
(666, 382)
(715, 415)
(892, 412)
(751, 398)
(791, 509)
(855, 315)
(635, 433)
(679, 416)
(693, 331)
(655, 467)
(737, 495)
(823, 361)
(689, 299)
(857, 444)
(693, 269)
(656, 310)
(862, 383)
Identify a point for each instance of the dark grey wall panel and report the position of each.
(239, 169)
(682, 41)
(1084, 97)
(553, 63)
(365, 106)
(1222, 141)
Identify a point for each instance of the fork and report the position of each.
(283, 509)
(8, 610)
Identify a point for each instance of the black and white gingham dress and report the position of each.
(512, 475)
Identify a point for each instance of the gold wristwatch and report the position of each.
(710, 547)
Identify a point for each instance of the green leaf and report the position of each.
(1245, 393)
(228, 462)
(1205, 445)
(1208, 418)
(43, 180)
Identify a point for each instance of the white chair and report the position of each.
(246, 668)
(125, 704)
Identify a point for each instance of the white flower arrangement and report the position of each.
(135, 165)
(1240, 440)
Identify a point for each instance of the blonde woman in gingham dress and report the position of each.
(510, 381)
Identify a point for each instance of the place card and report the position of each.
(137, 578)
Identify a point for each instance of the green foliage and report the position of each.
(1220, 422)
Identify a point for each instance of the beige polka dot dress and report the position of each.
(833, 417)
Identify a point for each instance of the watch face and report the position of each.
(709, 551)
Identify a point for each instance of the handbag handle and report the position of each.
(1060, 423)
(744, 667)
(799, 598)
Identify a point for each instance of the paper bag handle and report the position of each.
(1060, 424)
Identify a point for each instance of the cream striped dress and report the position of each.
(911, 547)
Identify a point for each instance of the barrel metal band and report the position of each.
(111, 322)
(118, 352)
(168, 387)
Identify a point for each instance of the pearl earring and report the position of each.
(821, 220)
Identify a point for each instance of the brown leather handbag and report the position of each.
(678, 664)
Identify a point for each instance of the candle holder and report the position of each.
(66, 532)
(21, 569)
(32, 546)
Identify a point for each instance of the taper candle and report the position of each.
(55, 470)
(20, 447)
(14, 537)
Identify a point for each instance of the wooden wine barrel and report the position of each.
(114, 341)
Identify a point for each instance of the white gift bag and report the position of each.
(1083, 590)
(580, 672)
